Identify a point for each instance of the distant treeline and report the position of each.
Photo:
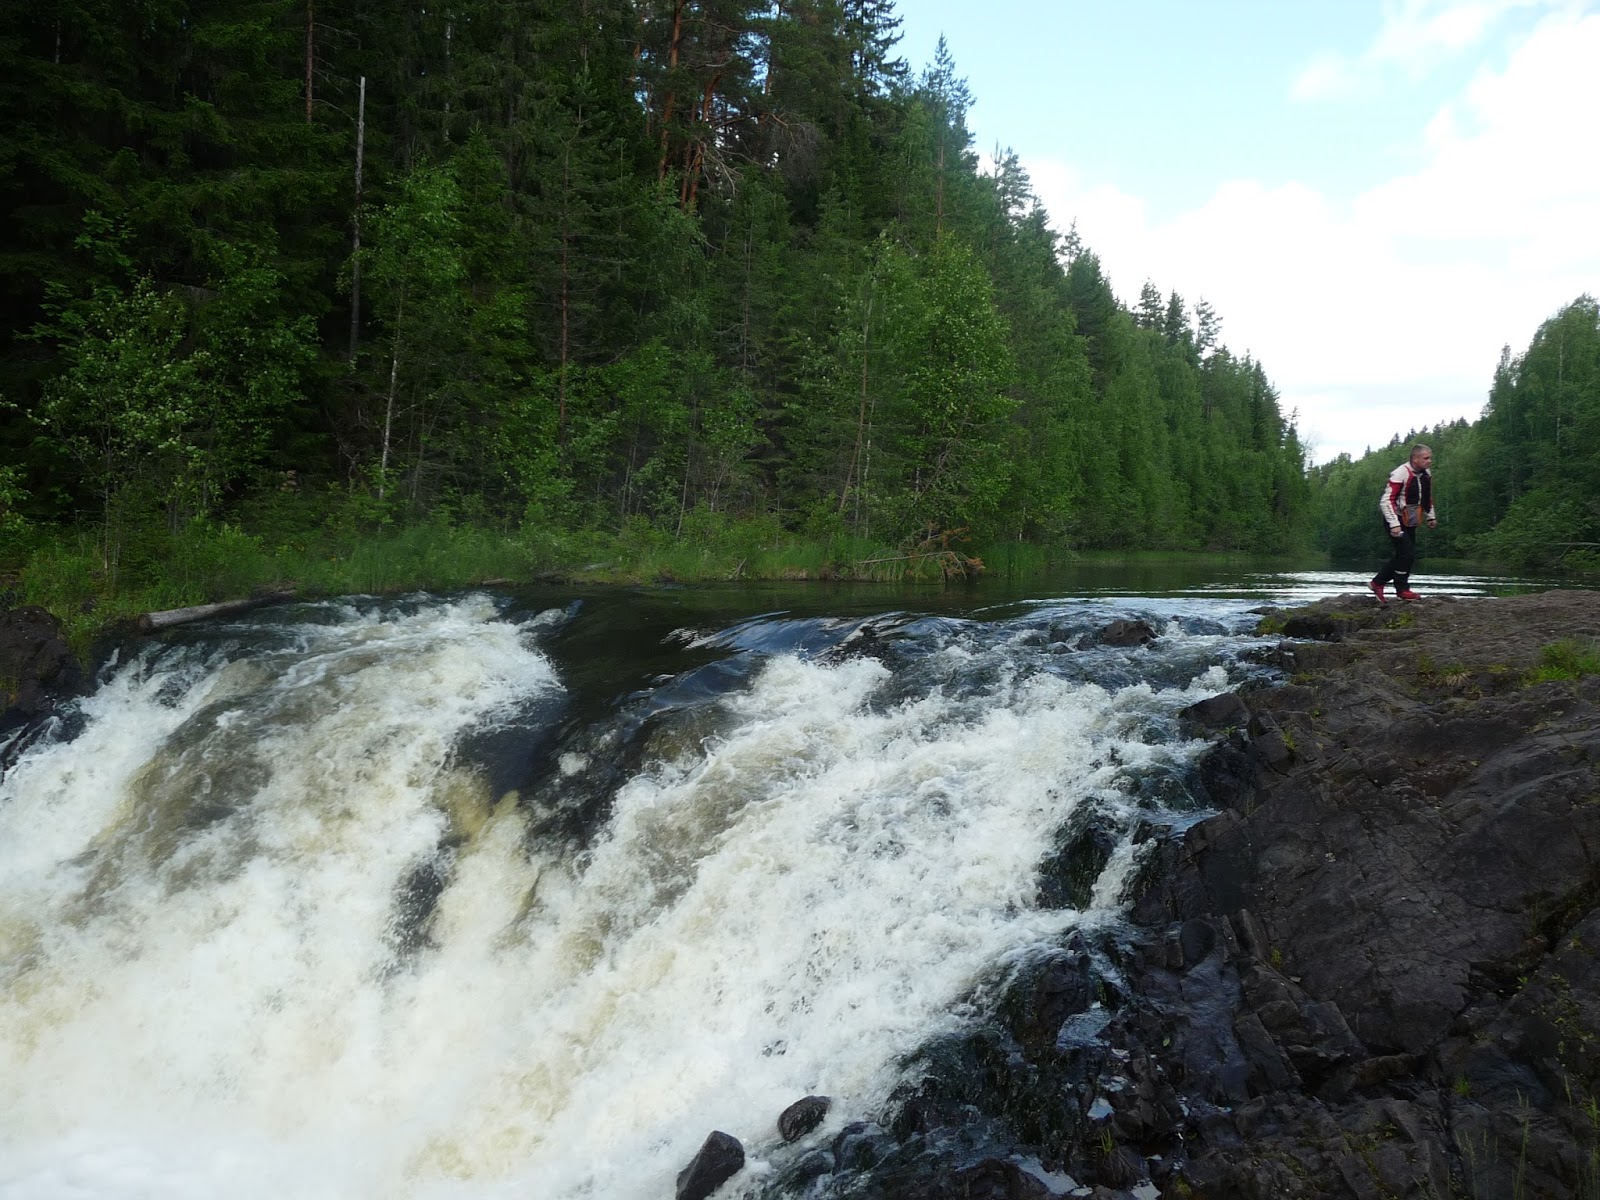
(579, 264)
(1521, 485)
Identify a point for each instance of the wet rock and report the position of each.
(999, 1177)
(720, 1158)
(1218, 712)
(860, 1146)
(1045, 995)
(37, 667)
(37, 671)
(794, 1179)
(1127, 633)
(1067, 876)
(1197, 938)
(801, 1117)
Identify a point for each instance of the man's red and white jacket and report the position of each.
(1406, 486)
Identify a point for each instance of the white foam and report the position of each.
(221, 1009)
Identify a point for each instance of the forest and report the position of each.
(1520, 486)
(353, 294)
(283, 279)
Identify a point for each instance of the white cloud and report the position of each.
(1328, 76)
(1416, 33)
(1415, 36)
(1388, 313)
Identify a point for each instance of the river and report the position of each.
(523, 893)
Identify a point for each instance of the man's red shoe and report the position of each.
(1377, 590)
(1408, 594)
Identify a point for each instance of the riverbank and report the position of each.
(1373, 973)
(72, 575)
(1387, 943)
(72, 578)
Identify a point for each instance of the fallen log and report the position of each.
(154, 622)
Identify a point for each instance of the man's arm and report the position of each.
(1390, 496)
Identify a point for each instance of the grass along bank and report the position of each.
(71, 574)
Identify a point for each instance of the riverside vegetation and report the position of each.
(351, 297)
(360, 295)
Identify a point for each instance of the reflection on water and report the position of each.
(1264, 581)
(1302, 587)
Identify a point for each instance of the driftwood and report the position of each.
(154, 622)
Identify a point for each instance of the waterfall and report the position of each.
(270, 926)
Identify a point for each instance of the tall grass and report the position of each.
(311, 552)
(205, 563)
(1567, 660)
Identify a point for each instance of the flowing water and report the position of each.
(489, 896)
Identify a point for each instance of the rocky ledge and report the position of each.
(37, 671)
(1400, 904)
(1374, 972)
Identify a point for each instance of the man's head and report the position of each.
(1421, 457)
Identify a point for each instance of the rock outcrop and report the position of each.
(1374, 972)
(1403, 890)
(37, 671)
(801, 1117)
(719, 1159)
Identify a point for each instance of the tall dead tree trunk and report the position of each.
(311, 57)
(388, 412)
(355, 220)
(449, 35)
(695, 152)
(566, 289)
(861, 413)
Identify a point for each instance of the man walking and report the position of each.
(1406, 502)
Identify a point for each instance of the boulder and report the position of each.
(1127, 633)
(37, 671)
(801, 1117)
(720, 1158)
(1224, 711)
(37, 667)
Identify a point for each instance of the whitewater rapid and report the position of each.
(267, 929)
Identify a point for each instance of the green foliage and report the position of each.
(1520, 486)
(1567, 660)
(627, 283)
(16, 531)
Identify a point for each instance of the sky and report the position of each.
(1374, 195)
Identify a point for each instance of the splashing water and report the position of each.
(265, 929)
